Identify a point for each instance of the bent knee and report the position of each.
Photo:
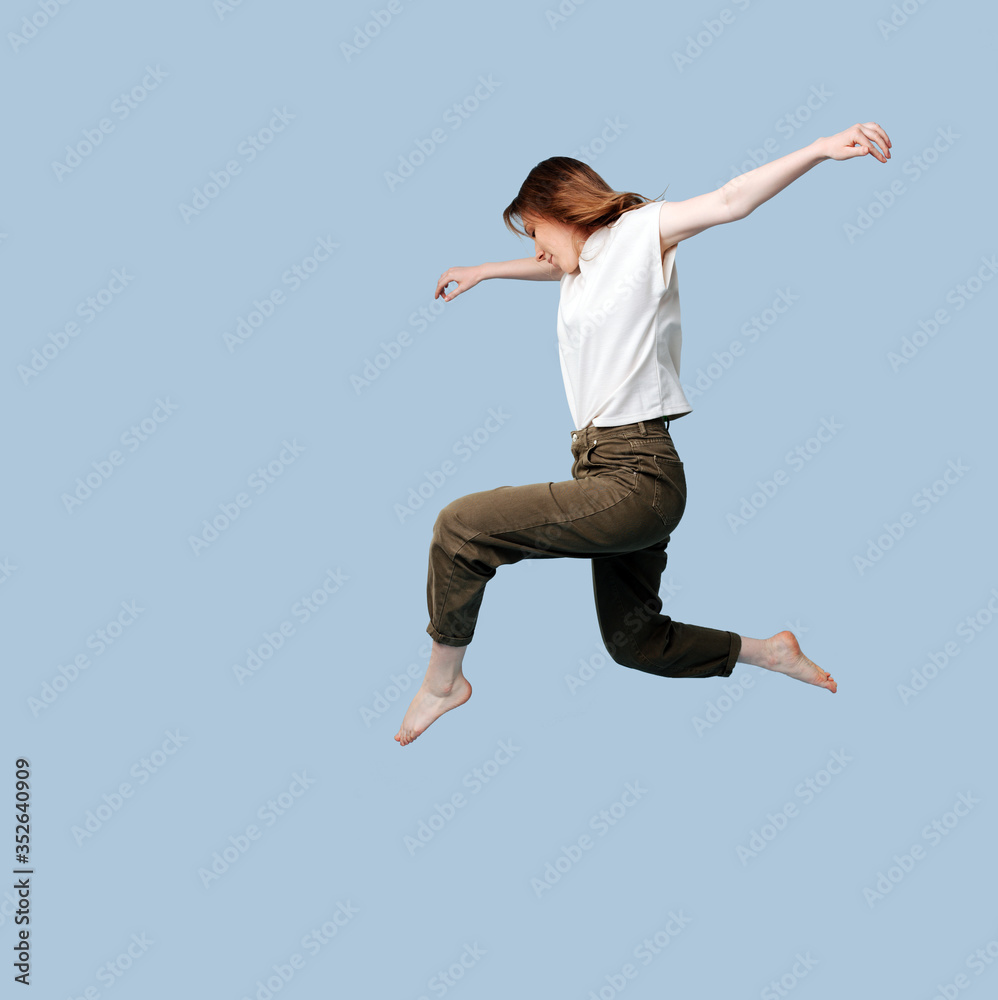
(451, 528)
(625, 656)
(449, 517)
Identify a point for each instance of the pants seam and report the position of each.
(453, 569)
(569, 520)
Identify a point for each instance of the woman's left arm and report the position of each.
(745, 193)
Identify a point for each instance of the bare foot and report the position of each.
(781, 653)
(429, 703)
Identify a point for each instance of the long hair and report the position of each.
(567, 190)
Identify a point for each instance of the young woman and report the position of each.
(619, 339)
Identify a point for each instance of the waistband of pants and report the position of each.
(591, 434)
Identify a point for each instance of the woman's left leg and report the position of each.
(636, 633)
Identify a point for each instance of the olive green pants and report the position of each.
(626, 495)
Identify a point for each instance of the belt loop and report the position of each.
(641, 424)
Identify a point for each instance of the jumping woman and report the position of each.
(619, 340)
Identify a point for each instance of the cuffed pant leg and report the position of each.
(635, 632)
(456, 579)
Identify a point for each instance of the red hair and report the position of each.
(569, 191)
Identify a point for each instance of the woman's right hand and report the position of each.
(857, 140)
(466, 277)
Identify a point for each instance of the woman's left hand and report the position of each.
(858, 140)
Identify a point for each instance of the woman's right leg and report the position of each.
(476, 534)
(444, 687)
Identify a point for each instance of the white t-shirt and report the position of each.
(619, 333)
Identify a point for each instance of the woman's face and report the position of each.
(555, 243)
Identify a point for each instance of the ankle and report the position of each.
(442, 682)
(758, 652)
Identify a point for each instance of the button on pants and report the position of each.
(626, 495)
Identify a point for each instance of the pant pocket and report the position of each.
(664, 450)
(669, 500)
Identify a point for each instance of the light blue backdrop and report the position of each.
(207, 824)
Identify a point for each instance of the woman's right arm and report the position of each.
(528, 268)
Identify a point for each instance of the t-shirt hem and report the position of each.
(633, 419)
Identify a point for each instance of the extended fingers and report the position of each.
(870, 133)
(442, 282)
(881, 136)
(875, 132)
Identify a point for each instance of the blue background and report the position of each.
(327, 703)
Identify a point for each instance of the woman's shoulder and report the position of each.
(633, 225)
(622, 241)
(643, 216)
(644, 210)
